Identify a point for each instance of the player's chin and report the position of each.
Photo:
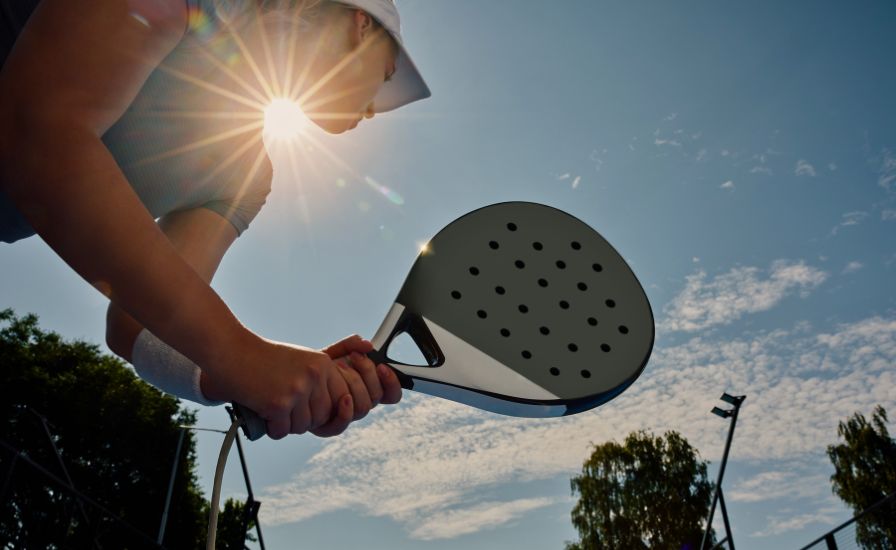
(334, 125)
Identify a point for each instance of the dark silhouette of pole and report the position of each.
(180, 443)
(46, 426)
(725, 518)
(717, 493)
(22, 456)
(250, 512)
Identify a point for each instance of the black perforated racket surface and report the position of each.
(519, 309)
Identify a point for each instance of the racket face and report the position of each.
(521, 309)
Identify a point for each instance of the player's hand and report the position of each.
(294, 388)
(380, 382)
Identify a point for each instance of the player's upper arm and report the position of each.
(84, 62)
(201, 237)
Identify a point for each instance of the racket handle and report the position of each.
(377, 356)
(254, 427)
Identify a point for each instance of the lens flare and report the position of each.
(393, 196)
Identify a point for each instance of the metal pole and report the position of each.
(43, 422)
(715, 495)
(725, 517)
(180, 442)
(251, 504)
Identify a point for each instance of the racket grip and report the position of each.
(377, 356)
(254, 427)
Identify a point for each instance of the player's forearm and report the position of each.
(68, 186)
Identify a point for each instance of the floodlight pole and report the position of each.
(180, 442)
(717, 493)
(250, 512)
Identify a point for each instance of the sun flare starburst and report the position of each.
(284, 120)
(250, 96)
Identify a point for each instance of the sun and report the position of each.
(284, 120)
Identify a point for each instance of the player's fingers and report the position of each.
(301, 418)
(360, 396)
(278, 427)
(391, 385)
(320, 407)
(340, 422)
(366, 369)
(348, 345)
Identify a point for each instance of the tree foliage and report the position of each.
(230, 527)
(865, 473)
(649, 492)
(117, 437)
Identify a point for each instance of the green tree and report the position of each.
(116, 434)
(649, 492)
(864, 473)
(230, 527)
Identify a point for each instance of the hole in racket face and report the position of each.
(403, 349)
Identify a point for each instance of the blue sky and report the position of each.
(741, 157)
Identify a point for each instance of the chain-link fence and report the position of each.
(873, 529)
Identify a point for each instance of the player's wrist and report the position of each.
(210, 390)
(225, 346)
(229, 371)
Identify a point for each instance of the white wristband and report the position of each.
(166, 369)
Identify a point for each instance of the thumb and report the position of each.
(347, 345)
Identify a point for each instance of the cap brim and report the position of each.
(406, 85)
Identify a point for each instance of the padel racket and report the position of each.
(520, 309)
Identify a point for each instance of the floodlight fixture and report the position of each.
(735, 400)
(721, 412)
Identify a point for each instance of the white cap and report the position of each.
(406, 85)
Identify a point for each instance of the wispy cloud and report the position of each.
(778, 525)
(887, 172)
(888, 215)
(803, 168)
(728, 297)
(486, 515)
(728, 185)
(832, 167)
(762, 167)
(793, 481)
(596, 157)
(672, 142)
(852, 267)
(576, 181)
(849, 219)
(702, 155)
